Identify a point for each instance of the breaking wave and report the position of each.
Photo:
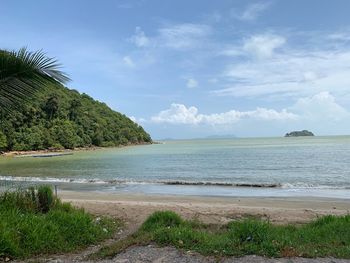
(166, 182)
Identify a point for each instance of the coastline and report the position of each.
(46, 151)
(59, 151)
(135, 208)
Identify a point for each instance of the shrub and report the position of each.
(26, 231)
(45, 198)
(162, 219)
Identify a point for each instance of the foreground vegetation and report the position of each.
(33, 222)
(24, 73)
(324, 237)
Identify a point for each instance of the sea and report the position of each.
(241, 167)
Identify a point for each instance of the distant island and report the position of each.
(299, 133)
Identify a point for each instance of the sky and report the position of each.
(191, 69)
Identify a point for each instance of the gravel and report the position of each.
(152, 253)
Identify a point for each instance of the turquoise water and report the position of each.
(303, 166)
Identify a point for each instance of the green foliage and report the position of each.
(23, 73)
(62, 118)
(63, 132)
(327, 236)
(3, 141)
(26, 231)
(51, 107)
(24, 201)
(35, 200)
(45, 198)
(162, 219)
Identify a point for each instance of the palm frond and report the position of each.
(23, 73)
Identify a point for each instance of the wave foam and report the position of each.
(166, 182)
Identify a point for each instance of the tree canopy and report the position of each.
(58, 117)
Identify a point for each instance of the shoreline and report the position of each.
(179, 188)
(48, 151)
(59, 151)
(135, 208)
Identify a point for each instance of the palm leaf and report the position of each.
(23, 73)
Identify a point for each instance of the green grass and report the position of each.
(324, 237)
(33, 222)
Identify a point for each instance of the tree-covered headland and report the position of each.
(38, 112)
(61, 118)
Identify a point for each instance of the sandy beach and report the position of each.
(135, 208)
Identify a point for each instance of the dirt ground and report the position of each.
(134, 209)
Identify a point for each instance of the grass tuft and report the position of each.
(162, 219)
(45, 198)
(33, 222)
(327, 236)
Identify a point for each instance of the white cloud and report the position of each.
(192, 83)
(253, 11)
(177, 114)
(128, 61)
(293, 72)
(133, 119)
(259, 46)
(137, 120)
(263, 46)
(139, 38)
(321, 106)
(183, 36)
(317, 110)
(177, 36)
(342, 36)
(180, 114)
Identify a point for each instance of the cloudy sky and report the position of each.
(185, 69)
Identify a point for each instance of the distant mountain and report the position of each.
(299, 133)
(224, 136)
(62, 118)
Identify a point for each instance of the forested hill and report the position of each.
(62, 118)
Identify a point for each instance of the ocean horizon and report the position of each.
(267, 167)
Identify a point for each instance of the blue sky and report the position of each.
(185, 69)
